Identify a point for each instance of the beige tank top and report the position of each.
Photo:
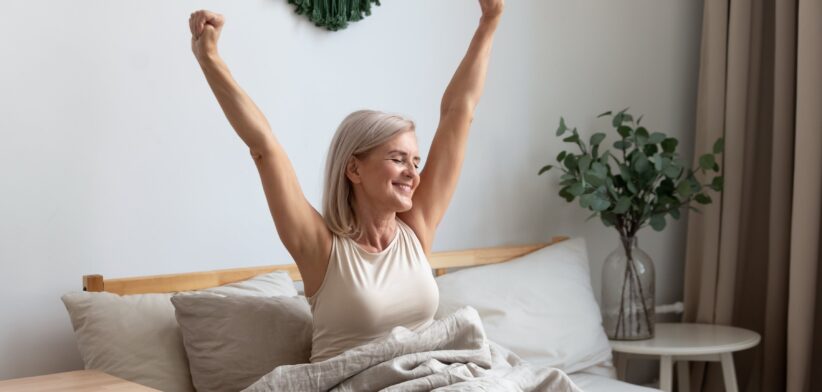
(364, 295)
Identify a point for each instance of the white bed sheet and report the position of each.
(596, 383)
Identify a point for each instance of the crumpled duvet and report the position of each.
(451, 354)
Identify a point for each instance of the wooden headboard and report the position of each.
(440, 262)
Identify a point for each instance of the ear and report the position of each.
(352, 170)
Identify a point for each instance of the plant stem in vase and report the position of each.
(628, 292)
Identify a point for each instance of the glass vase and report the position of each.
(628, 292)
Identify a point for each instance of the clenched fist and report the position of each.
(492, 8)
(205, 31)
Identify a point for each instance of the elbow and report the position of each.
(256, 154)
(260, 152)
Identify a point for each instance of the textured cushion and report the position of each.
(136, 337)
(540, 306)
(233, 341)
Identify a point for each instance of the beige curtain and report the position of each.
(753, 256)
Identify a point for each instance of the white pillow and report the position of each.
(137, 338)
(540, 306)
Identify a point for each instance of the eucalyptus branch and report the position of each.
(650, 181)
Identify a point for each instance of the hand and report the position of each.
(205, 31)
(491, 8)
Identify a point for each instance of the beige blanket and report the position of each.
(451, 354)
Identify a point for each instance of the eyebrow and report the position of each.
(403, 153)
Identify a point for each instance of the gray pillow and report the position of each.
(233, 341)
(136, 337)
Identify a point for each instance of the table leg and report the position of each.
(666, 369)
(728, 372)
(621, 365)
(684, 376)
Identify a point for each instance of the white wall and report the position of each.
(115, 158)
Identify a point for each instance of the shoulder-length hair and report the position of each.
(358, 134)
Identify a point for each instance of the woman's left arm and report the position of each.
(438, 180)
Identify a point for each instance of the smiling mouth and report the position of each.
(403, 187)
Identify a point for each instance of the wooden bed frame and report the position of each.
(440, 262)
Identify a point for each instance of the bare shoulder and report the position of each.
(415, 220)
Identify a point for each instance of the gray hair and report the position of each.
(359, 133)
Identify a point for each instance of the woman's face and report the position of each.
(386, 177)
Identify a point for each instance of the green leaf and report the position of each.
(622, 144)
(627, 117)
(570, 162)
(608, 113)
(674, 213)
(672, 170)
(650, 149)
(622, 205)
(707, 162)
(684, 189)
(576, 189)
(669, 145)
(656, 138)
(641, 163)
(598, 203)
(666, 187)
(572, 139)
(609, 185)
(624, 131)
(604, 158)
(597, 138)
(585, 200)
(562, 128)
(608, 219)
(625, 173)
(617, 121)
(641, 132)
(565, 195)
(639, 120)
(599, 169)
(594, 180)
(719, 145)
(561, 156)
(545, 169)
(658, 163)
(702, 198)
(717, 183)
(584, 163)
(658, 222)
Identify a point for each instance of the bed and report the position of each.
(554, 322)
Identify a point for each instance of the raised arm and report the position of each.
(438, 180)
(300, 227)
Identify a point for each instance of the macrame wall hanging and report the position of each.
(334, 14)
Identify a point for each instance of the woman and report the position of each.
(363, 261)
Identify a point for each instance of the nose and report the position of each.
(410, 171)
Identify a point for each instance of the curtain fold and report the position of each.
(752, 257)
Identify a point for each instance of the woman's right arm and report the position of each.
(300, 227)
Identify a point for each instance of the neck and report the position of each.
(377, 228)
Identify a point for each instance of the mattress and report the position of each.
(596, 383)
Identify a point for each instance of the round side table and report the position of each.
(682, 342)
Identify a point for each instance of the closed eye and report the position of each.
(402, 162)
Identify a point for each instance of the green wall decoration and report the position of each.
(334, 14)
